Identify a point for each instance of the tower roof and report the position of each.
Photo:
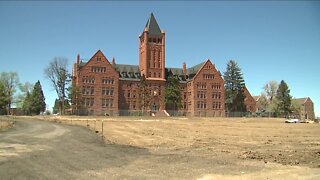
(152, 26)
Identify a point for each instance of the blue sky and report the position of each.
(269, 40)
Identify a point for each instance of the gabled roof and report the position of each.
(190, 72)
(256, 97)
(301, 100)
(153, 27)
(83, 62)
(195, 69)
(247, 92)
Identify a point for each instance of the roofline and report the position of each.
(201, 68)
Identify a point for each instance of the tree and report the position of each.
(58, 75)
(173, 93)
(296, 107)
(24, 88)
(75, 98)
(263, 102)
(10, 80)
(26, 106)
(234, 86)
(57, 107)
(37, 99)
(270, 89)
(284, 98)
(273, 107)
(144, 94)
(4, 98)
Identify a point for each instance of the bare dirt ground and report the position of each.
(6, 122)
(175, 148)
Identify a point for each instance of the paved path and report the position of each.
(47, 150)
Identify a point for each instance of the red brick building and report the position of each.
(306, 108)
(111, 88)
(249, 101)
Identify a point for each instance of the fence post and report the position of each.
(102, 129)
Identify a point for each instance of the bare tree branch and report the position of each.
(58, 75)
(271, 89)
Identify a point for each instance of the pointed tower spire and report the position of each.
(152, 26)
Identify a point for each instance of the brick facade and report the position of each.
(99, 84)
(249, 101)
(306, 108)
(110, 88)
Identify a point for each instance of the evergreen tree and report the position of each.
(26, 106)
(173, 93)
(37, 103)
(56, 107)
(284, 99)
(234, 84)
(144, 94)
(75, 98)
(4, 99)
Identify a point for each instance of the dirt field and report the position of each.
(214, 148)
(267, 140)
(230, 141)
(6, 122)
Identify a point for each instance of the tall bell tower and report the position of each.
(152, 50)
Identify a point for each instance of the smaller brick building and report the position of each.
(249, 101)
(306, 108)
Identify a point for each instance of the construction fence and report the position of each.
(173, 113)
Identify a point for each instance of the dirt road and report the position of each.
(151, 150)
(44, 150)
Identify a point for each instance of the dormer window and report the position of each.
(124, 75)
(138, 75)
(131, 75)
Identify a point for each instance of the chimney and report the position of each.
(78, 59)
(113, 62)
(184, 68)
